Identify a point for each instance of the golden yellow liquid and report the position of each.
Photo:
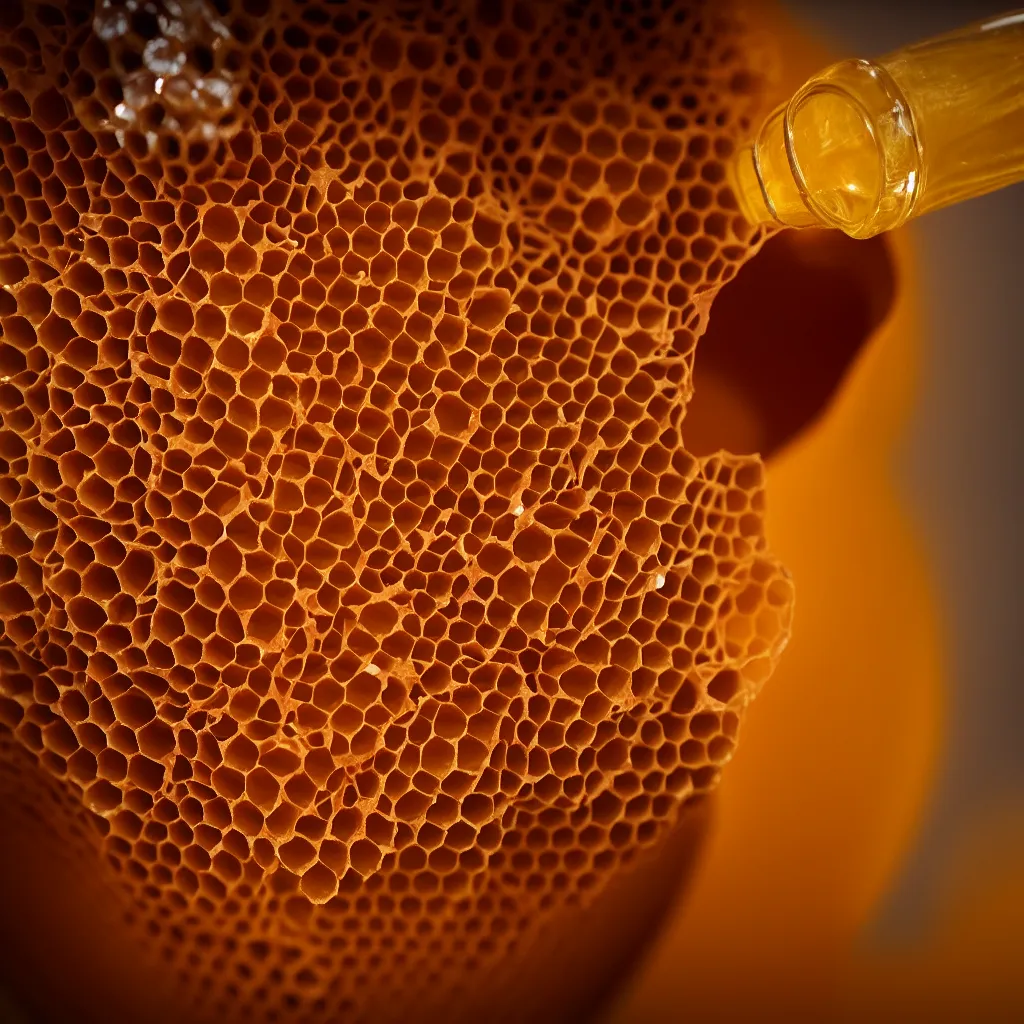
(863, 146)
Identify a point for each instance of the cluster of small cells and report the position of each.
(361, 605)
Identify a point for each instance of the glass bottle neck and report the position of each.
(843, 153)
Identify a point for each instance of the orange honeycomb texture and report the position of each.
(364, 610)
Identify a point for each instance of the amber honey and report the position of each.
(865, 145)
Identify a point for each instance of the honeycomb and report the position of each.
(362, 608)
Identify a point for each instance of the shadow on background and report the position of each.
(781, 337)
(861, 870)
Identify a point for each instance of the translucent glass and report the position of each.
(865, 145)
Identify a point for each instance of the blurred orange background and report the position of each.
(866, 858)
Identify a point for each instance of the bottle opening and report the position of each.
(835, 156)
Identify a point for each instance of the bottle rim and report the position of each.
(811, 91)
(869, 89)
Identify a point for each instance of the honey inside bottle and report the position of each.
(865, 145)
